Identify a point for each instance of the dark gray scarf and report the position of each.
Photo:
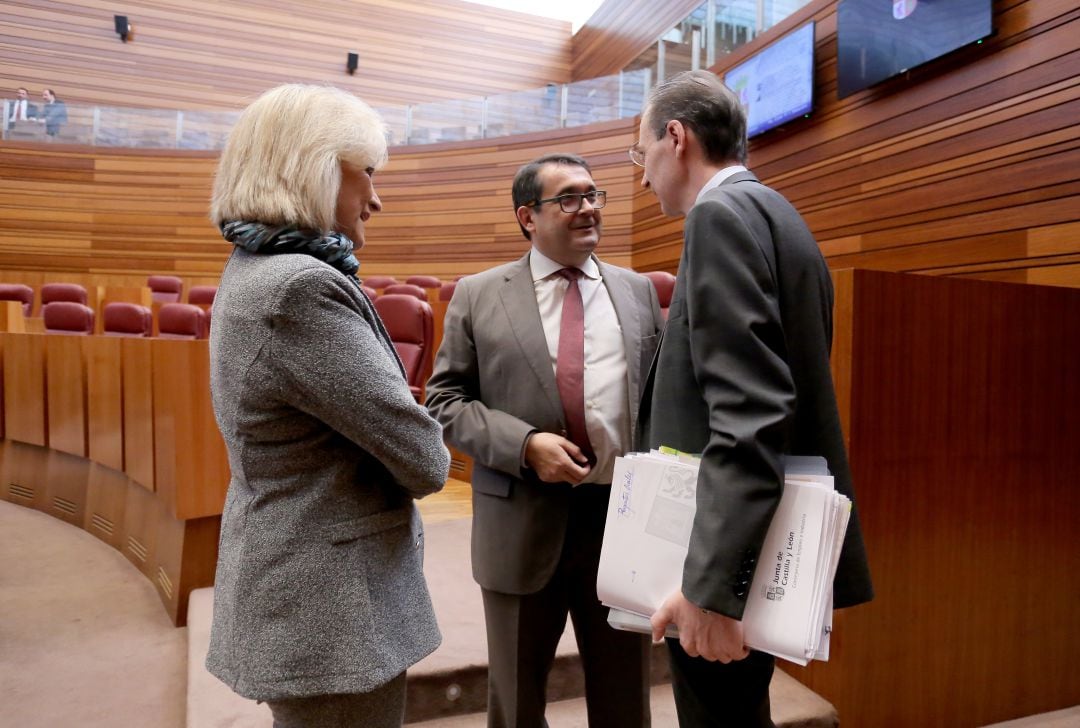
(255, 237)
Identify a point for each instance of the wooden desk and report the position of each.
(117, 436)
(960, 406)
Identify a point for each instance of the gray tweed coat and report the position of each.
(319, 585)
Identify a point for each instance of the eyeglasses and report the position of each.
(637, 156)
(571, 202)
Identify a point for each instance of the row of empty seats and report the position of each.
(175, 320)
(417, 287)
(163, 289)
(404, 308)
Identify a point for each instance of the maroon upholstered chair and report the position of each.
(664, 283)
(424, 281)
(370, 292)
(68, 317)
(406, 289)
(70, 292)
(446, 290)
(18, 292)
(202, 295)
(380, 281)
(128, 319)
(165, 289)
(411, 326)
(182, 321)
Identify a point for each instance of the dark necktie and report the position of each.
(570, 363)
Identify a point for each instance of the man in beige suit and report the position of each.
(538, 379)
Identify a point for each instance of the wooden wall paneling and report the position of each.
(191, 467)
(948, 170)
(138, 411)
(208, 55)
(186, 560)
(961, 445)
(24, 470)
(139, 534)
(25, 413)
(106, 498)
(104, 400)
(620, 30)
(448, 209)
(12, 319)
(65, 385)
(66, 483)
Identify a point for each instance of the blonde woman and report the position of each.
(320, 603)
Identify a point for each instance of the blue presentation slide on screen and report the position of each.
(777, 84)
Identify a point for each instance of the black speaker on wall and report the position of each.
(123, 29)
(353, 63)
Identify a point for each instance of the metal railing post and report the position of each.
(97, 126)
(564, 105)
(621, 95)
(179, 127)
(710, 34)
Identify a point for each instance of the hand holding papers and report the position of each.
(650, 515)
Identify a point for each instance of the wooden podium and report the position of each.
(961, 408)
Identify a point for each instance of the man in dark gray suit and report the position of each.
(741, 376)
(538, 379)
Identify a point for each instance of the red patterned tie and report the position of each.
(570, 363)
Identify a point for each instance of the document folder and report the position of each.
(650, 516)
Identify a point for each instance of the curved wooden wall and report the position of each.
(201, 54)
(448, 210)
(113, 216)
(620, 30)
(117, 436)
(967, 168)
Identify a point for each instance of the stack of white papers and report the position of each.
(650, 515)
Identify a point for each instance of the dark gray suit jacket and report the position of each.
(493, 385)
(742, 376)
(320, 585)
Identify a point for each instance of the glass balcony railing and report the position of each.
(553, 107)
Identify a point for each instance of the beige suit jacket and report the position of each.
(493, 385)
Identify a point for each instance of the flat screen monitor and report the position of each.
(878, 39)
(776, 84)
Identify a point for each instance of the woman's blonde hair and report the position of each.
(282, 162)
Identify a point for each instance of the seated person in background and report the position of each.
(53, 113)
(20, 109)
(320, 603)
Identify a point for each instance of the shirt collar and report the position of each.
(543, 266)
(718, 179)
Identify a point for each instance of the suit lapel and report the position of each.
(523, 319)
(627, 310)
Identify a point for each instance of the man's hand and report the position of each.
(555, 459)
(701, 634)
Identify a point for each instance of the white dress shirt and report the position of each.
(607, 392)
(18, 110)
(718, 179)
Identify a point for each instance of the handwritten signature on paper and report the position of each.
(626, 490)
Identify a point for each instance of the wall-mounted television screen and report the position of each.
(776, 84)
(878, 39)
